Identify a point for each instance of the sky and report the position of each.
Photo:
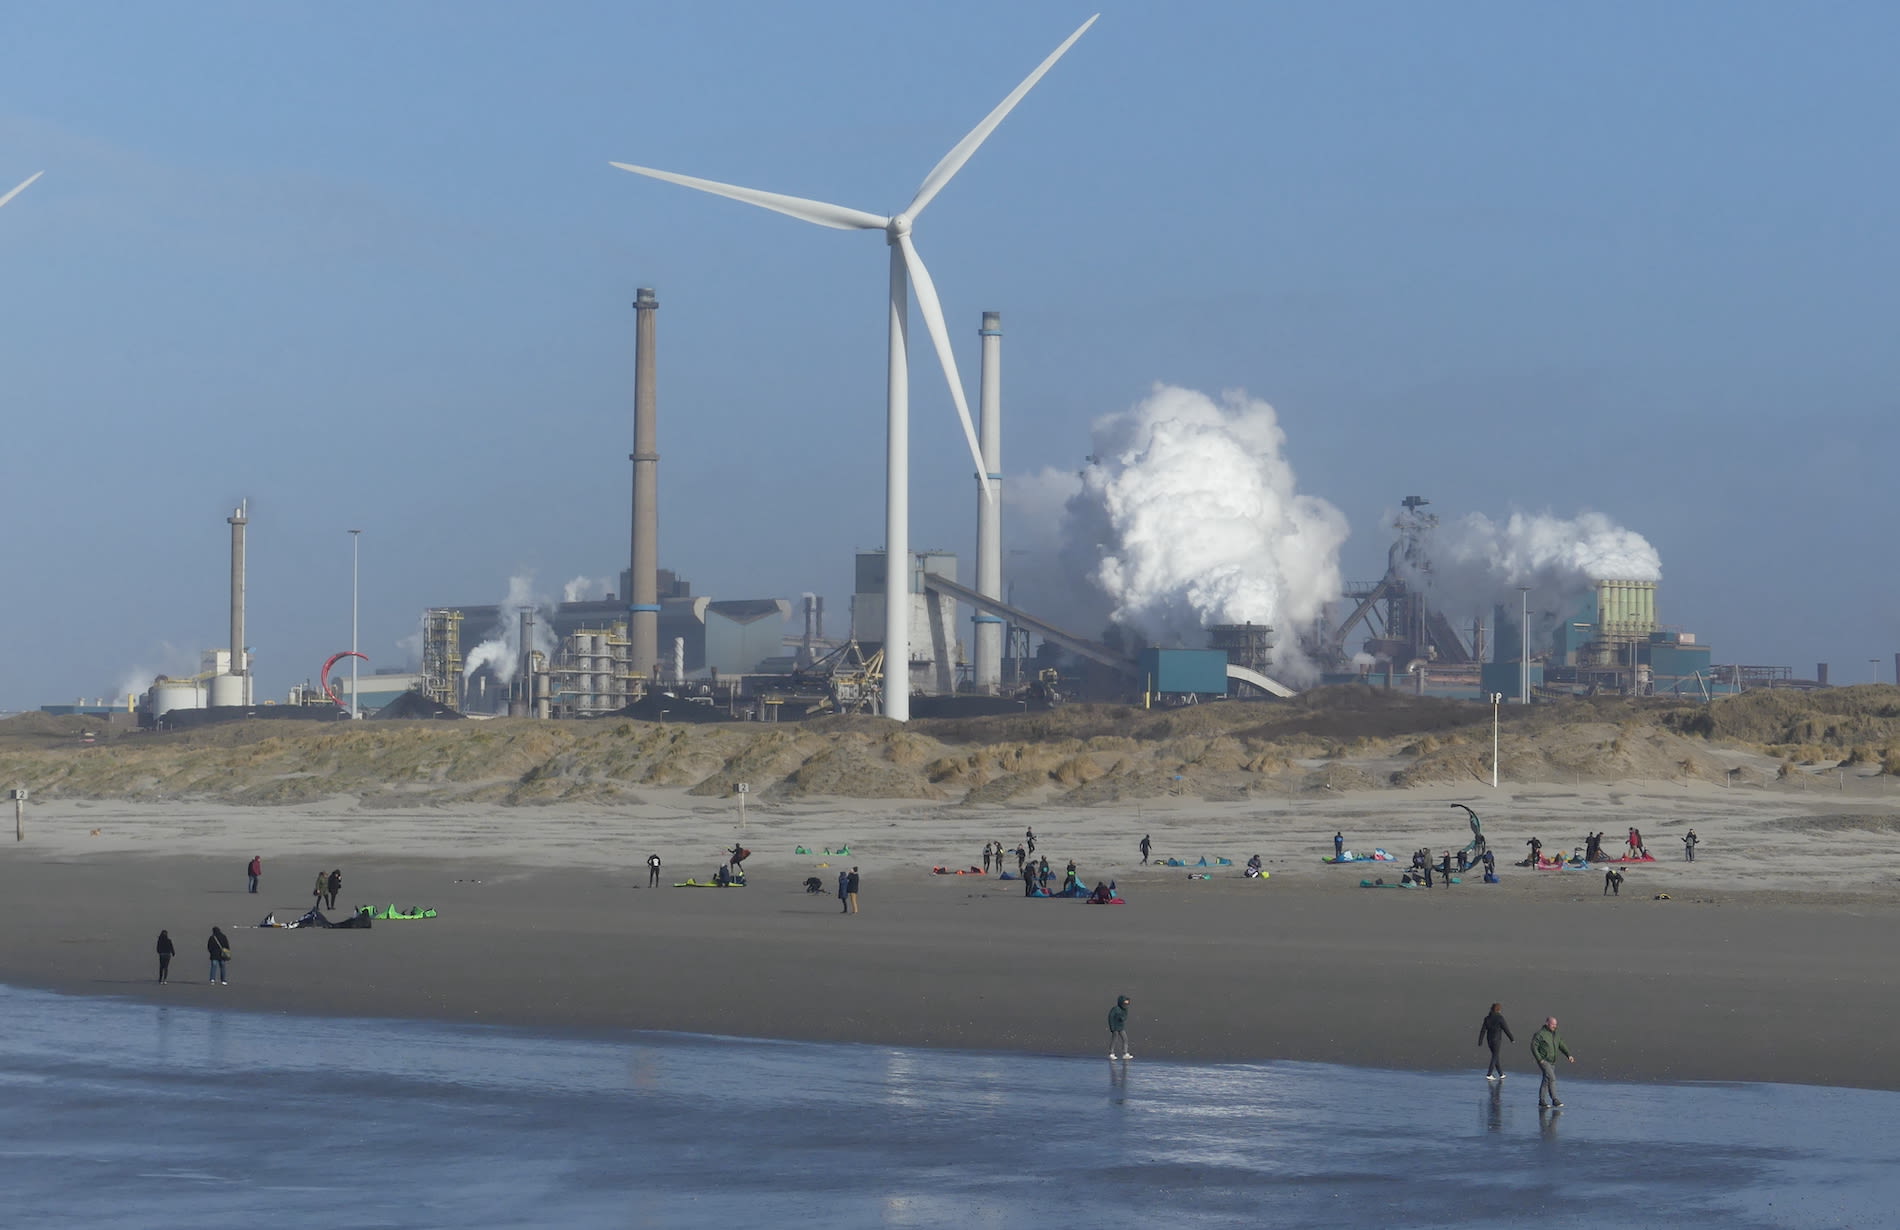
(367, 266)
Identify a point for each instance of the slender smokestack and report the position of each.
(238, 520)
(989, 512)
(643, 591)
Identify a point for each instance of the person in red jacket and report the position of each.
(255, 870)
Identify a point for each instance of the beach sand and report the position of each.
(1770, 961)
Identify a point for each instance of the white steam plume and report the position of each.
(500, 651)
(1477, 563)
(1187, 516)
(586, 589)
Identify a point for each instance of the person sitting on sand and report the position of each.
(1253, 865)
(1102, 895)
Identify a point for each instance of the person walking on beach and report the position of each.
(1339, 846)
(255, 870)
(1118, 1030)
(1489, 1031)
(844, 882)
(1537, 850)
(986, 858)
(335, 885)
(1689, 840)
(219, 949)
(166, 951)
(1022, 857)
(1029, 839)
(653, 871)
(1546, 1045)
(323, 887)
(1613, 883)
(1146, 846)
(851, 890)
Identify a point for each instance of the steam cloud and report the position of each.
(500, 651)
(1477, 562)
(1187, 516)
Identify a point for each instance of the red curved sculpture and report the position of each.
(324, 678)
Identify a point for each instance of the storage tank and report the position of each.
(169, 694)
(226, 691)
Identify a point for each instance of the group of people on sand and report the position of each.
(217, 947)
(1547, 1047)
(1423, 871)
(329, 884)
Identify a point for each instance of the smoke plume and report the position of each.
(500, 650)
(1187, 516)
(586, 589)
(1477, 563)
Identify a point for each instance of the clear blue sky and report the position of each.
(367, 265)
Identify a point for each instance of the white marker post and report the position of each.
(743, 789)
(19, 813)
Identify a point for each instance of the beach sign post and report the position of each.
(19, 812)
(743, 789)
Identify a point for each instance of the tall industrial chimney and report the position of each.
(989, 511)
(643, 593)
(238, 520)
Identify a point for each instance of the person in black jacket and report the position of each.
(1488, 1032)
(165, 954)
(851, 890)
(219, 949)
(335, 885)
(653, 871)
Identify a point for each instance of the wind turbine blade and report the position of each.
(932, 310)
(837, 217)
(22, 188)
(953, 161)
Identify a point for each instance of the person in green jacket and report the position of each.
(1118, 1030)
(1546, 1045)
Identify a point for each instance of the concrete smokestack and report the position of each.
(989, 512)
(643, 592)
(238, 519)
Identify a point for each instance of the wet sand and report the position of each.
(1729, 979)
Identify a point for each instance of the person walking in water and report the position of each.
(1546, 1046)
(1488, 1032)
(219, 950)
(1146, 846)
(255, 870)
(1118, 1030)
(653, 871)
(166, 951)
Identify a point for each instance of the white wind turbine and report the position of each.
(22, 188)
(907, 269)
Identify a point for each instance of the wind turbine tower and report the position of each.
(907, 271)
(989, 506)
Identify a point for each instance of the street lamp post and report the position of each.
(1524, 645)
(355, 711)
(1497, 698)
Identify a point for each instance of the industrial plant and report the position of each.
(654, 649)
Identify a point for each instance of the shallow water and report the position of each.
(122, 1113)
